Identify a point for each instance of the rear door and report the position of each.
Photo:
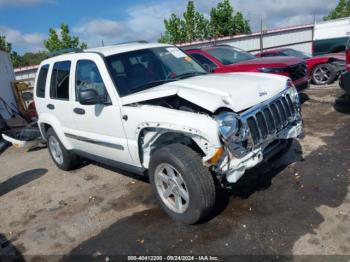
(58, 97)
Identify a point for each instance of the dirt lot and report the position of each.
(300, 205)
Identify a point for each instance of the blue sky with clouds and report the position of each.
(26, 22)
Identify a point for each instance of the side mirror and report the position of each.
(88, 97)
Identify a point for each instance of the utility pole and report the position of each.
(261, 36)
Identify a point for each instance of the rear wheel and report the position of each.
(63, 158)
(323, 74)
(183, 186)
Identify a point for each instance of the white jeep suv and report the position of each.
(151, 109)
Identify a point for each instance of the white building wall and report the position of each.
(299, 37)
(26, 74)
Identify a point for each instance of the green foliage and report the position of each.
(340, 11)
(4, 45)
(65, 40)
(221, 19)
(195, 26)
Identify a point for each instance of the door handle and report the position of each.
(50, 106)
(79, 111)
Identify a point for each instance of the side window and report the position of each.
(88, 77)
(205, 62)
(59, 87)
(41, 82)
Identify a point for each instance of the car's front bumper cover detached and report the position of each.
(266, 128)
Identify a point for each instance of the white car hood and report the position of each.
(237, 91)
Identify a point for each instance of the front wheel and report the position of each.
(184, 188)
(323, 74)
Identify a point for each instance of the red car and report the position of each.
(224, 59)
(324, 69)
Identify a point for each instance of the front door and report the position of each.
(97, 129)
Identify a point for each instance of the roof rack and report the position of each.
(65, 51)
(131, 42)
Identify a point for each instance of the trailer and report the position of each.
(7, 76)
(331, 36)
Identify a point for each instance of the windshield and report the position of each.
(229, 55)
(292, 52)
(142, 69)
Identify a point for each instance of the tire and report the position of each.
(67, 160)
(324, 74)
(197, 182)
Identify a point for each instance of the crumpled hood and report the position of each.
(237, 91)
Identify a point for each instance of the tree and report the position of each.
(240, 24)
(65, 40)
(31, 58)
(174, 30)
(4, 45)
(222, 20)
(202, 27)
(194, 25)
(341, 10)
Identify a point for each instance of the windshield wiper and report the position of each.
(185, 75)
(150, 84)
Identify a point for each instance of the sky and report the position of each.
(25, 23)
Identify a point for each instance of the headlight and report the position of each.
(293, 92)
(228, 124)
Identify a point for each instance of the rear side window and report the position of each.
(41, 83)
(59, 86)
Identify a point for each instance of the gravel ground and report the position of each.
(298, 205)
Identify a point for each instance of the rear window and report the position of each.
(59, 87)
(41, 83)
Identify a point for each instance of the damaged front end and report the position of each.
(257, 133)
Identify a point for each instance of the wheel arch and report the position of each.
(152, 138)
(46, 122)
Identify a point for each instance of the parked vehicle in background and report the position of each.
(344, 80)
(323, 69)
(225, 59)
(151, 109)
(331, 36)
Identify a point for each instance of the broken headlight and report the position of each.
(228, 124)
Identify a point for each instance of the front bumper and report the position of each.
(234, 168)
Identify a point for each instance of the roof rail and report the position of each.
(65, 51)
(130, 42)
